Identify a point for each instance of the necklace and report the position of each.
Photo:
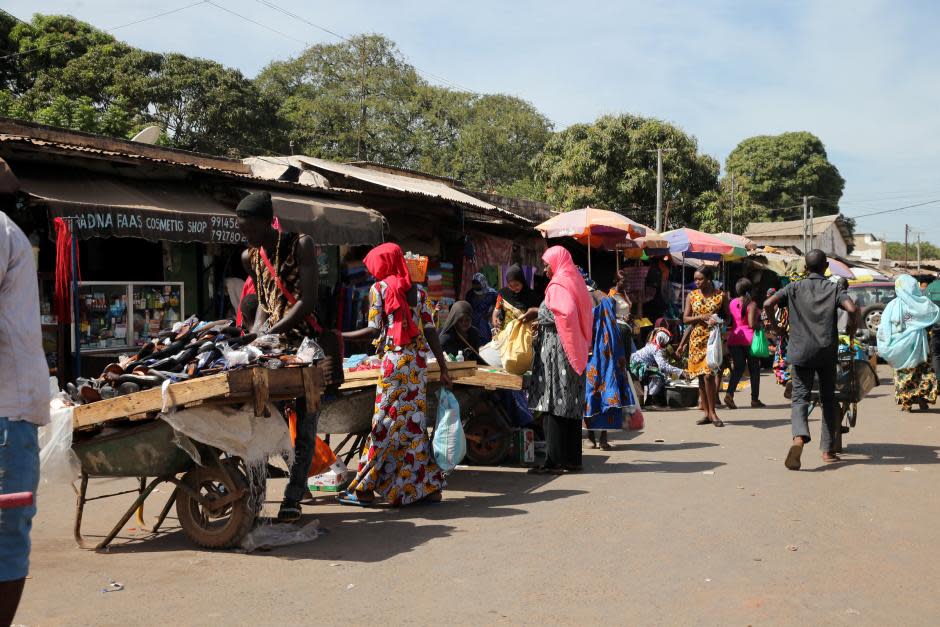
(269, 288)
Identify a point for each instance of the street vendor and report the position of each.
(651, 367)
(283, 267)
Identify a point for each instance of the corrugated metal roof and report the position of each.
(790, 228)
(406, 184)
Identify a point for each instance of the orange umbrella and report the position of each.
(593, 227)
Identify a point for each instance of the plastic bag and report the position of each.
(515, 348)
(323, 456)
(450, 444)
(490, 354)
(57, 461)
(310, 351)
(759, 346)
(714, 355)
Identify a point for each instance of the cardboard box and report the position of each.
(525, 444)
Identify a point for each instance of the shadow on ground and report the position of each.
(885, 454)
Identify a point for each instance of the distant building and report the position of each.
(830, 234)
(870, 248)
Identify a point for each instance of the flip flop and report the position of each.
(703, 421)
(835, 458)
(345, 498)
(793, 457)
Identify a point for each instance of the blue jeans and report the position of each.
(19, 472)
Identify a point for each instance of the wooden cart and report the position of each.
(215, 504)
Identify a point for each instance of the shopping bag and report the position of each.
(515, 349)
(759, 346)
(323, 456)
(450, 444)
(714, 354)
(636, 422)
(489, 353)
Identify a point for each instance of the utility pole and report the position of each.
(812, 231)
(659, 186)
(907, 230)
(805, 216)
(731, 228)
(918, 252)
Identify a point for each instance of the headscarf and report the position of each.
(567, 297)
(387, 263)
(525, 298)
(661, 337)
(257, 205)
(902, 334)
(461, 308)
(485, 288)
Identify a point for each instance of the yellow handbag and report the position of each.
(515, 347)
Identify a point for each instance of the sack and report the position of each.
(759, 346)
(489, 353)
(450, 444)
(323, 456)
(515, 349)
(714, 355)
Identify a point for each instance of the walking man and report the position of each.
(284, 269)
(24, 395)
(814, 305)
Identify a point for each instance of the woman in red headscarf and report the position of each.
(565, 321)
(399, 466)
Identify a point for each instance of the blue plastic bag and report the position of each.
(450, 444)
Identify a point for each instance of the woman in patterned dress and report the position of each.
(702, 306)
(557, 386)
(399, 466)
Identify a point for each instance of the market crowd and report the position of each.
(594, 357)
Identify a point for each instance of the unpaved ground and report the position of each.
(698, 529)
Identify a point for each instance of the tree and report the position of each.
(612, 164)
(352, 100)
(773, 173)
(927, 251)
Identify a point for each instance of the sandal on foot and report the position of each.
(347, 498)
(729, 402)
(757, 404)
(703, 421)
(793, 457)
(717, 422)
(831, 458)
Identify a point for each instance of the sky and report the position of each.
(862, 75)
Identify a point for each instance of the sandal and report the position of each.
(831, 458)
(703, 421)
(757, 404)
(729, 402)
(717, 422)
(347, 498)
(433, 497)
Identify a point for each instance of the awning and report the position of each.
(110, 207)
(328, 221)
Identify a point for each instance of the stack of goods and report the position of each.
(448, 283)
(435, 282)
(190, 349)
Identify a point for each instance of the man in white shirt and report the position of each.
(24, 395)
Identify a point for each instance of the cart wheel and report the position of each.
(487, 441)
(214, 529)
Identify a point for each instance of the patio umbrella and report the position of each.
(836, 268)
(652, 244)
(866, 274)
(592, 227)
(697, 245)
(742, 245)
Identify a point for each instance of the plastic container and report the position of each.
(417, 268)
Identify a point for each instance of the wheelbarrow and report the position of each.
(213, 501)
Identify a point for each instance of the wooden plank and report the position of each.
(492, 380)
(457, 370)
(260, 391)
(313, 388)
(150, 400)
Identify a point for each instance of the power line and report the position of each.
(878, 213)
(255, 22)
(80, 37)
(295, 16)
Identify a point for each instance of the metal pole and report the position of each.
(805, 215)
(907, 229)
(589, 251)
(918, 253)
(731, 229)
(812, 232)
(76, 323)
(659, 190)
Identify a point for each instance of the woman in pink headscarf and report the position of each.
(565, 322)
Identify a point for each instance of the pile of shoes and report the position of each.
(190, 349)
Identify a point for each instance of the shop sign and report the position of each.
(154, 225)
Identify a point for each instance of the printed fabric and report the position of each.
(913, 385)
(698, 341)
(399, 464)
(608, 389)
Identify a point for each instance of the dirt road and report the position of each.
(705, 527)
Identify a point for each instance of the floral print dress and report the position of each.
(698, 342)
(399, 464)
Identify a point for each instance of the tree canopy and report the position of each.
(612, 164)
(773, 173)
